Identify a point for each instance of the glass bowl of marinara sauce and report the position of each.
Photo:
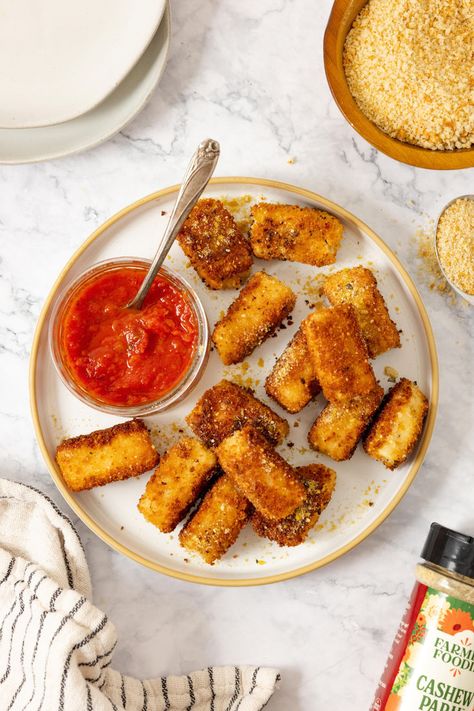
(123, 361)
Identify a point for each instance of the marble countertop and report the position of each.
(251, 75)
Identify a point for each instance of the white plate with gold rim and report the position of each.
(29, 145)
(59, 59)
(366, 492)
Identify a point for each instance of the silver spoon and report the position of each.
(195, 180)
(468, 297)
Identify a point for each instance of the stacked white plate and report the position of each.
(73, 74)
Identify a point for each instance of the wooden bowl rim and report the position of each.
(404, 152)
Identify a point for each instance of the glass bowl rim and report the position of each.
(191, 375)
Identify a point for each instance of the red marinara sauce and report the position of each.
(127, 357)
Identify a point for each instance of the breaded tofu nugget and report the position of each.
(358, 286)
(261, 474)
(341, 424)
(292, 382)
(215, 526)
(226, 407)
(319, 482)
(104, 456)
(172, 489)
(398, 427)
(215, 246)
(260, 307)
(296, 234)
(339, 353)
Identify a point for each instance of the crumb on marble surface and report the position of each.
(391, 373)
(428, 271)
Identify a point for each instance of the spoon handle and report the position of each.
(195, 180)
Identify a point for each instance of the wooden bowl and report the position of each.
(340, 21)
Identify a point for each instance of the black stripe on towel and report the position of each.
(40, 629)
(9, 570)
(89, 699)
(191, 693)
(94, 681)
(254, 680)
(43, 616)
(54, 597)
(13, 605)
(98, 658)
(123, 696)
(145, 698)
(67, 617)
(211, 684)
(70, 579)
(6, 674)
(164, 689)
(237, 689)
(22, 654)
(67, 664)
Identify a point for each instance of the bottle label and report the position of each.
(431, 663)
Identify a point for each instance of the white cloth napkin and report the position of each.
(56, 646)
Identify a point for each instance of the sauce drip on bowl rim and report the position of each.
(126, 357)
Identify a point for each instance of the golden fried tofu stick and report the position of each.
(297, 234)
(260, 307)
(172, 489)
(358, 286)
(292, 382)
(215, 246)
(226, 407)
(338, 353)
(319, 482)
(215, 526)
(341, 424)
(104, 456)
(261, 474)
(398, 427)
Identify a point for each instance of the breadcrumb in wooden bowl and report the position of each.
(341, 20)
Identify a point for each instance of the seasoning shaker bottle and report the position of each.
(431, 663)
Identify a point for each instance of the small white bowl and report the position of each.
(469, 297)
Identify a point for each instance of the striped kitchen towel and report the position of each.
(56, 647)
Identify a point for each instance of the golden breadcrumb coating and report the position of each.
(104, 456)
(260, 307)
(339, 353)
(358, 286)
(293, 530)
(216, 524)
(341, 424)
(455, 242)
(296, 234)
(260, 473)
(226, 407)
(172, 489)
(292, 382)
(408, 65)
(399, 425)
(215, 246)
